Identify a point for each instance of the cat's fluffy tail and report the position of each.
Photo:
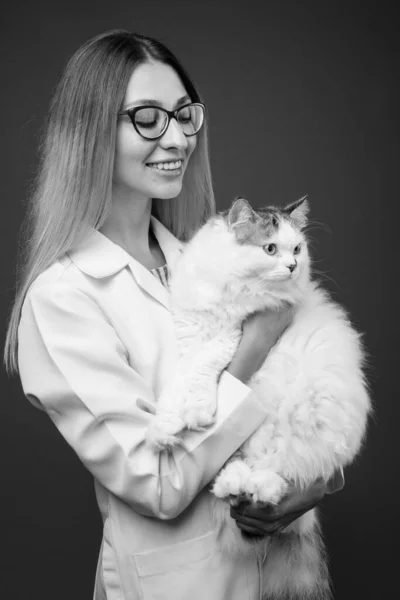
(296, 567)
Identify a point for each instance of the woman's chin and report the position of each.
(168, 192)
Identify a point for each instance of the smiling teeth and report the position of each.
(167, 166)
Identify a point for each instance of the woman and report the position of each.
(124, 180)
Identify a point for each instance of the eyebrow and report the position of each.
(150, 102)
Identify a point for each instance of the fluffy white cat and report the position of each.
(312, 381)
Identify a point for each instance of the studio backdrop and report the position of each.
(301, 99)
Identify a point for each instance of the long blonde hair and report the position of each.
(73, 188)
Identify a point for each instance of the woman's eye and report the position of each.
(297, 249)
(270, 249)
(185, 115)
(147, 118)
(146, 124)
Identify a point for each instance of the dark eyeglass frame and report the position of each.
(171, 114)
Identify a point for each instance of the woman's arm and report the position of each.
(272, 519)
(261, 331)
(73, 364)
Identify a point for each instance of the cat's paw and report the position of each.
(200, 404)
(163, 431)
(267, 486)
(233, 481)
(198, 417)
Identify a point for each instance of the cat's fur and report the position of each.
(312, 381)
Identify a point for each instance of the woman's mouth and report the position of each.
(171, 165)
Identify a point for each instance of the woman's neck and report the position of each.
(128, 225)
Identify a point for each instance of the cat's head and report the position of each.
(245, 257)
(270, 243)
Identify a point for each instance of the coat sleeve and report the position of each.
(74, 366)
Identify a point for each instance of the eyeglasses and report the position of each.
(152, 122)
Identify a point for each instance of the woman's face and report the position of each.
(136, 159)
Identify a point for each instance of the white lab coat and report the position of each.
(96, 346)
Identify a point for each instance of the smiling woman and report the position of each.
(151, 166)
(147, 167)
(125, 179)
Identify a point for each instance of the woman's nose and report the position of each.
(174, 136)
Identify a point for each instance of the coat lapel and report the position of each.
(150, 284)
(172, 249)
(97, 256)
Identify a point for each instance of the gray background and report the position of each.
(302, 99)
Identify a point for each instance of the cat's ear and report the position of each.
(298, 211)
(241, 217)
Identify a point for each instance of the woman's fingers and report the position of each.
(272, 512)
(270, 519)
(250, 531)
(262, 527)
(269, 512)
(294, 501)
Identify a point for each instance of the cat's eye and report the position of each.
(270, 249)
(297, 249)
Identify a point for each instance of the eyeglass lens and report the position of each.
(151, 121)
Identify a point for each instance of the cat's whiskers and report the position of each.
(315, 261)
(322, 274)
(316, 225)
(311, 242)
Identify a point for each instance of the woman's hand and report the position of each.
(272, 519)
(261, 331)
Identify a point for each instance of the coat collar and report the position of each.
(98, 257)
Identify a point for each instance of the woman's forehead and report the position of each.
(154, 83)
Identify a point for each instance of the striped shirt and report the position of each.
(162, 274)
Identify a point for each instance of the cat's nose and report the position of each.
(292, 267)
